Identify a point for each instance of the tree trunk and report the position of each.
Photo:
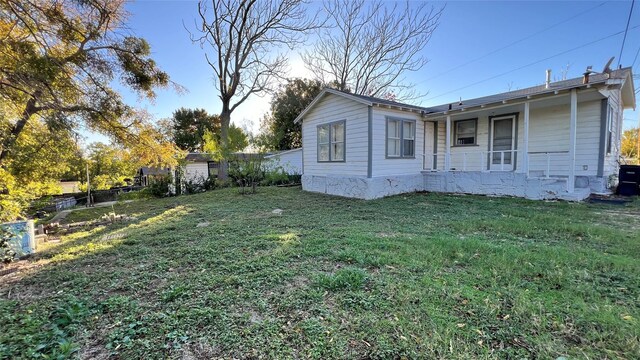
(225, 119)
(10, 141)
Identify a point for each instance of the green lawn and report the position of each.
(414, 276)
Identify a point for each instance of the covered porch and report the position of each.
(559, 138)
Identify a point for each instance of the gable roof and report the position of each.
(624, 75)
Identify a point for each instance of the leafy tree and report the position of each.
(238, 141)
(243, 39)
(57, 59)
(630, 144)
(369, 47)
(109, 165)
(288, 102)
(42, 156)
(188, 126)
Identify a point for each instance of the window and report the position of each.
(401, 138)
(464, 132)
(213, 168)
(331, 140)
(609, 128)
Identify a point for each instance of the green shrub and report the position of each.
(279, 176)
(275, 176)
(41, 333)
(193, 186)
(202, 184)
(246, 172)
(219, 183)
(159, 186)
(6, 253)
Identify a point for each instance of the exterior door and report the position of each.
(502, 142)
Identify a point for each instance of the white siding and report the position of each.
(611, 160)
(588, 138)
(197, 171)
(382, 165)
(548, 132)
(290, 161)
(336, 108)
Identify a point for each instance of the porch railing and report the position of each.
(548, 164)
(498, 160)
(545, 164)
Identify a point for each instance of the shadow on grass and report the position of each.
(404, 276)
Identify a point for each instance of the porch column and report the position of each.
(447, 144)
(572, 141)
(525, 143)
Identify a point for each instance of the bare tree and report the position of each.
(242, 38)
(368, 48)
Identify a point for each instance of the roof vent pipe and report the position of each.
(585, 75)
(548, 79)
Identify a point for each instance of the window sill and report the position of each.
(466, 145)
(400, 157)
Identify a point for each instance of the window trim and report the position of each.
(609, 130)
(386, 137)
(455, 133)
(209, 167)
(330, 143)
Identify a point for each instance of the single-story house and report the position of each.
(199, 167)
(146, 175)
(558, 140)
(289, 160)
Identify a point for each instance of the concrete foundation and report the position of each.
(503, 184)
(362, 187)
(483, 183)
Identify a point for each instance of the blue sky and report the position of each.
(468, 30)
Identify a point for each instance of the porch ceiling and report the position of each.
(517, 107)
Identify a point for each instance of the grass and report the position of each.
(414, 276)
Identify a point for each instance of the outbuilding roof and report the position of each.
(198, 157)
(145, 170)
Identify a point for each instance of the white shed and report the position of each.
(199, 167)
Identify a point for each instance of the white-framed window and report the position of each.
(465, 132)
(331, 141)
(401, 138)
(609, 128)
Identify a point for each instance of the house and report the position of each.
(558, 140)
(199, 167)
(147, 175)
(289, 160)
